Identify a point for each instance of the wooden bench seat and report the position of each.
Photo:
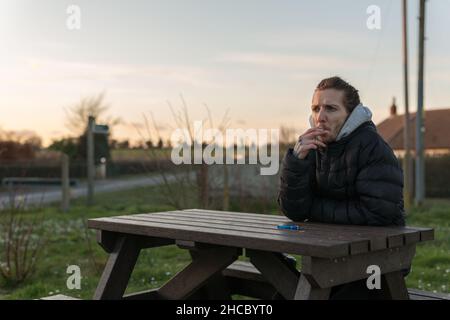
(59, 297)
(415, 294)
(244, 279)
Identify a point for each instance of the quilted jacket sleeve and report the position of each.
(295, 196)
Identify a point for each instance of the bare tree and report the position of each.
(22, 137)
(94, 106)
(20, 242)
(187, 178)
(223, 125)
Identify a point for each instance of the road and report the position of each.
(46, 195)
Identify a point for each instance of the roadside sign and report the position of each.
(101, 129)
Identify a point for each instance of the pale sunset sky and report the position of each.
(259, 59)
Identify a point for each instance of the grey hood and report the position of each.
(358, 116)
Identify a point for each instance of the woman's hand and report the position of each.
(308, 141)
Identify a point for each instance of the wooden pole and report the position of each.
(226, 189)
(407, 160)
(204, 186)
(420, 128)
(65, 201)
(90, 160)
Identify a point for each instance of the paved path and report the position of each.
(45, 195)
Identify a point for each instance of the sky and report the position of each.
(260, 60)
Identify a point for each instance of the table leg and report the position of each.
(117, 272)
(276, 270)
(328, 273)
(207, 264)
(214, 289)
(393, 286)
(307, 291)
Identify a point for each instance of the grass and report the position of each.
(68, 243)
(431, 265)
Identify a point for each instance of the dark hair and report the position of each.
(351, 96)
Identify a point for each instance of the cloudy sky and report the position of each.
(259, 59)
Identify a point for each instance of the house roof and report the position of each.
(437, 130)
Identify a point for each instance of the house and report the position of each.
(437, 131)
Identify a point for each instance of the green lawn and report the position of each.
(431, 266)
(69, 244)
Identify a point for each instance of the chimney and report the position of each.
(393, 108)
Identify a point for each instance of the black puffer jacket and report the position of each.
(356, 180)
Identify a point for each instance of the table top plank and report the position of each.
(292, 235)
(283, 218)
(265, 217)
(395, 236)
(244, 239)
(379, 237)
(357, 244)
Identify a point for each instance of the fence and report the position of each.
(78, 169)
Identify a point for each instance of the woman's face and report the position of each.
(329, 112)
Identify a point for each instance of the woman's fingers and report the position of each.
(302, 150)
(320, 143)
(309, 147)
(313, 141)
(308, 141)
(310, 131)
(314, 134)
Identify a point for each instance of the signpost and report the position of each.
(92, 129)
(101, 129)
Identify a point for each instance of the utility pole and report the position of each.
(407, 160)
(420, 128)
(90, 161)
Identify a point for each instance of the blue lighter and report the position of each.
(289, 227)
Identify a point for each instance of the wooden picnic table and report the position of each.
(332, 255)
